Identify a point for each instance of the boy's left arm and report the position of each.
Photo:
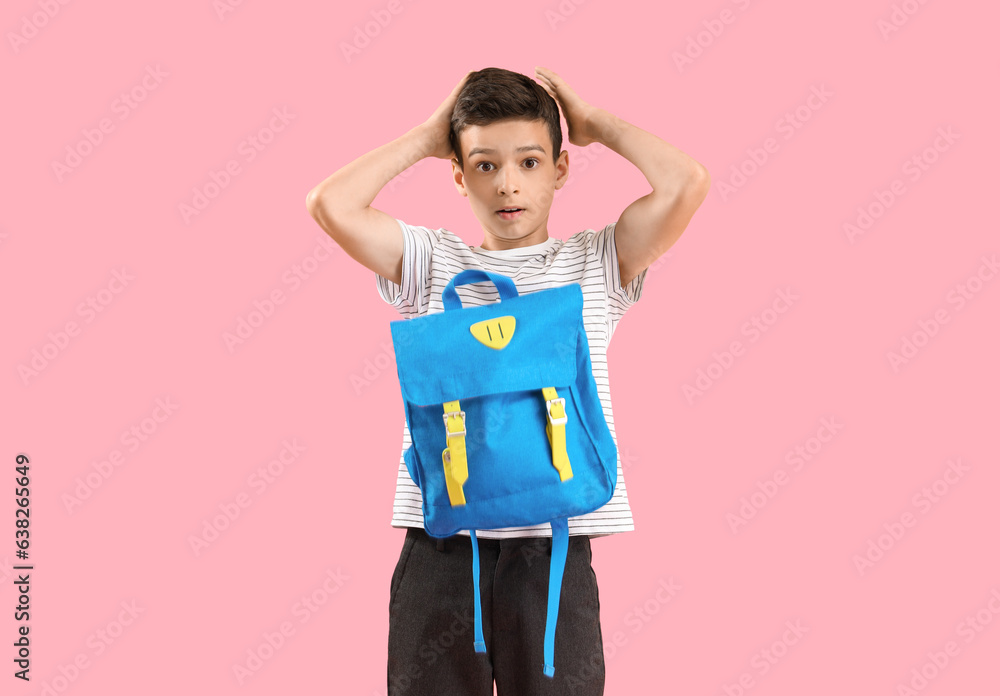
(650, 225)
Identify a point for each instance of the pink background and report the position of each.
(689, 462)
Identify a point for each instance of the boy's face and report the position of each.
(508, 164)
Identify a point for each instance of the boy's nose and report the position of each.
(507, 185)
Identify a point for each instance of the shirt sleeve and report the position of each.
(410, 296)
(619, 298)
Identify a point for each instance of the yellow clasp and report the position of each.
(453, 458)
(555, 429)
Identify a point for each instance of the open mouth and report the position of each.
(510, 213)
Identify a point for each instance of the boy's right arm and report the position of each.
(341, 204)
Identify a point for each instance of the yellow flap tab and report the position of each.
(494, 333)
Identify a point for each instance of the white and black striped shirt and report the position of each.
(431, 258)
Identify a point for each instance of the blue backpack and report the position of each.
(506, 424)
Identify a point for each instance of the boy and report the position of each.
(502, 134)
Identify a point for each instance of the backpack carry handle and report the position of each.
(505, 286)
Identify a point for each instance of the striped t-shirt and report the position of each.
(431, 258)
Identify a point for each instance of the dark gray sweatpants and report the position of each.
(431, 615)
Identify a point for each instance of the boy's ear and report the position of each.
(562, 168)
(459, 177)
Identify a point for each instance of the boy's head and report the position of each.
(495, 94)
(501, 111)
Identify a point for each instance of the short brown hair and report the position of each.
(495, 94)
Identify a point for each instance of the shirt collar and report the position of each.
(539, 249)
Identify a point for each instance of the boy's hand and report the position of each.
(579, 114)
(438, 126)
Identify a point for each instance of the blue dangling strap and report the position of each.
(480, 642)
(560, 545)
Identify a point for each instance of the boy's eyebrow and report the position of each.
(523, 148)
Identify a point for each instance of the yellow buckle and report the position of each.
(447, 425)
(555, 429)
(453, 458)
(556, 420)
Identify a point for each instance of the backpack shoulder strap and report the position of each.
(560, 545)
(480, 642)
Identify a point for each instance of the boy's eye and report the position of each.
(490, 164)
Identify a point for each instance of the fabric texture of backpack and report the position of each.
(506, 424)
